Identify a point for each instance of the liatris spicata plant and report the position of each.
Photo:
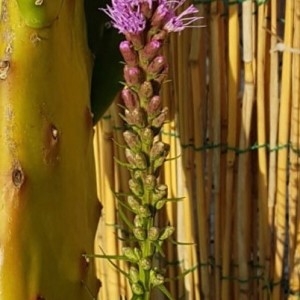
(145, 25)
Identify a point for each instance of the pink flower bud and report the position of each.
(130, 98)
(159, 16)
(140, 161)
(146, 89)
(132, 75)
(134, 203)
(136, 187)
(147, 136)
(128, 53)
(146, 9)
(157, 65)
(132, 140)
(137, 39)
(130, 157)
(160, 35)
(150, 182)
(159, 78)
(154, 105)
(138, 117)
(159, 149)
(160, 119)
(151, 50)
(135, 117)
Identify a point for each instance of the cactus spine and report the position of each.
(48, 202)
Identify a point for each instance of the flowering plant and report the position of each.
(145, 25)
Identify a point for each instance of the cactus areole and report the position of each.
(48, 203)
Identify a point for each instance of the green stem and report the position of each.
(147, 295)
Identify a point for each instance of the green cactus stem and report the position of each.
(48, 203)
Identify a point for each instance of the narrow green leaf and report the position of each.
(178, 199)
(123, 164)
(181, 243)
(117, 257)
(182, 274)
(125, 219)
(173, 158)
(119, 195)
(164, 290)
(113, 264)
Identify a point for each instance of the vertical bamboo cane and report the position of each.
(274, 108)
(121, 177)
(108, 275)
(233, 65)
(169, 136)
(198, 96)
(169, 171)
(294, 177)
(180, 183)
(99, 238)
(224, 130)
(243, 197)
(215, 84)
(186, 133)
(261, 137)
(282, 163)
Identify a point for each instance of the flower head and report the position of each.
(129, 17)
(172, 22)
(126, 16)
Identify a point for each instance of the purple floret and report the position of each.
(182, 21)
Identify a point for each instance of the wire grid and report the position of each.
(235, 155)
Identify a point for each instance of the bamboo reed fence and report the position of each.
(234, 129)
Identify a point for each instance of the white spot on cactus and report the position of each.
(87, 259)
(4, 67)
(54, 133)
(39, 2)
